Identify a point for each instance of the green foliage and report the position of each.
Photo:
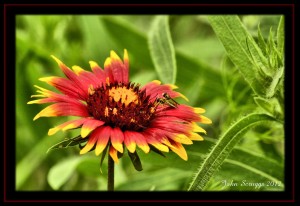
(262, 72)
(223, 148)
(162, 50)
(231, 66)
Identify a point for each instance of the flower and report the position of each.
(115, 113)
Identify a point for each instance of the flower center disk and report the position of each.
(121, 105)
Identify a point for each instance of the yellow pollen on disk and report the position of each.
(107, 81)
(115, 111)
(126, 96)
(91, 90)
(106, 112)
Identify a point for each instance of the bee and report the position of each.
(166, 99)
(170, 101)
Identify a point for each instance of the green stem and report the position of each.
(110, 175)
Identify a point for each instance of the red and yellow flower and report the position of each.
(115, 113)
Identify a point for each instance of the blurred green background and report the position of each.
(204, 74)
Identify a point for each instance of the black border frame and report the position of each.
(11, 10)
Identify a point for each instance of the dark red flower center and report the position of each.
(121, 105)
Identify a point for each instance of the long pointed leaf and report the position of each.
(162, 50)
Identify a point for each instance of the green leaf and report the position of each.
(251, 61)
(68, 143)
(223, 148)
(270, 105)
(60, 173)
(162, 50)
(135, 161)
(280, 35)
(261, 41)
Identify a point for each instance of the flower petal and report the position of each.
(114, 154)
(89, 126)
(177, 148)
(172, 124)
(89, 145)
(117, 138)
(156, 90)
(205, 120)
(181, 138)
(153, 137)
(197, 128)
(129, 141)
(64, 85)
(126, 68)
(183, 112)
(67, 125)
(115, 69)
(199, 110)
(98, 71)
(63, 109)
(87, 78)
(50, 97)
(196, 137)
(73, 77)
(102, 134)
(140, 141)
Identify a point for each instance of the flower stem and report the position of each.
(110, 175)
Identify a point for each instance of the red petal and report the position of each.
(67, 125)
(115, 69)
(183, 112)
(140, 141)
(64, 109)
(117, 138)
(102, 134)
(64, 85)
(89, 145)
(129, 141)
(172, 124)
(156, 90)
(89, 126)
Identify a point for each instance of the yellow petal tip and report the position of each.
(184, 97)
(113, 55)
(57, 60)
(52, 131)
(172, 86)
(36, 117)
(93, 64)
(77, 69)
(84, 133)
(199, 110)
(205, 120)
(125, 57)
(107, 62)
(156, 82)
